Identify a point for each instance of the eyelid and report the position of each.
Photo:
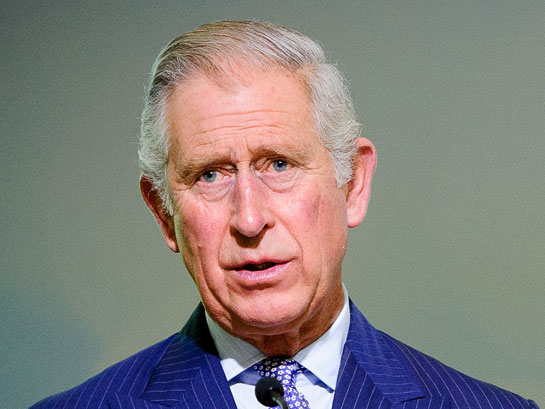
(285, 162)
(289, 163)
(201, 177)
(268, 161)
(222, 172)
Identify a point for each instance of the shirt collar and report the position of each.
(322, 357)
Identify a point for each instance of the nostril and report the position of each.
(249, 223)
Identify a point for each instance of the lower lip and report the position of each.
(262, 276)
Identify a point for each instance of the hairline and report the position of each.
(196, 53)
(225, 78)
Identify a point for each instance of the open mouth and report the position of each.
(260, 274)
(258, 267)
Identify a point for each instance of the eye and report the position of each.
(280, 165)
(210, 176)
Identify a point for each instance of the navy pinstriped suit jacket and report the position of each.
(377, 371)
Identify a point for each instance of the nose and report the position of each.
(251, 212)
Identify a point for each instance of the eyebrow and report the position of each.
(297, 156)
(188, 168)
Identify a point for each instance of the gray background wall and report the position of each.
(450, 259)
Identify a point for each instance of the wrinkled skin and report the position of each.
(260, 221)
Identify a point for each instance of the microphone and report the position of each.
(269, 392)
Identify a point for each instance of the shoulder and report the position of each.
(462, 390)
(126, 375)
(430, 376)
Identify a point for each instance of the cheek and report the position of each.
(199, 230)
(319, 209)
(198, 220)
(328, 229)
(332, 213)
(318, 220)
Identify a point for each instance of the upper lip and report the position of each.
(255, 263)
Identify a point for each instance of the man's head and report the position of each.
(254, 176)
(210, 50)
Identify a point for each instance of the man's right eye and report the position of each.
(209, 176)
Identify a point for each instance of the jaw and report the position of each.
(279, 342)
(274, 333)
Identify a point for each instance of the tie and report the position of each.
(284, 369)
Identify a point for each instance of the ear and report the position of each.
(155, 204)
(359, 187)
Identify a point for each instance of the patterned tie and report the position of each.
(284, 369)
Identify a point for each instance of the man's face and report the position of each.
(259, 221)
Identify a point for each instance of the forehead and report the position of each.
(257, 107)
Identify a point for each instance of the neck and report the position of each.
(289, 343)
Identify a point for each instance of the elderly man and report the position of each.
(253, 167)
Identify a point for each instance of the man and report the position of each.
(253, 167)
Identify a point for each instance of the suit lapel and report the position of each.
(119, 401)
(188, 375)
(210, 388)
(373, 373)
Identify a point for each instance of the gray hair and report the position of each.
(208, 49)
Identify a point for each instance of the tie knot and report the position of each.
(281, 368)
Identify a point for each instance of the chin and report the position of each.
(273, 317)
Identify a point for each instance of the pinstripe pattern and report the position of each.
(128, 377)
(377, 371)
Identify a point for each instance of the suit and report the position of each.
(377, 371)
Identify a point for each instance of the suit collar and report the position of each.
(322, 358)
(374, 373)
(121, 401)
(188, 375)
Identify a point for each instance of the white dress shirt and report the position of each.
(322, 359)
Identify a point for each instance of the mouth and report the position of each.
(260, 273)
(258, 266)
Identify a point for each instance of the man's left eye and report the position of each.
(280, 165)
(210, 176)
